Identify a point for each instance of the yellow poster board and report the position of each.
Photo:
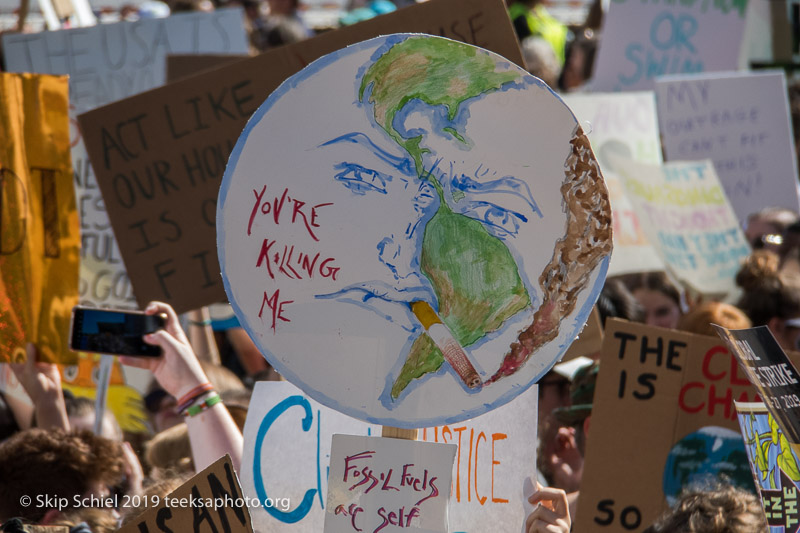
(39, 231)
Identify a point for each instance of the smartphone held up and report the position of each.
(114, 332)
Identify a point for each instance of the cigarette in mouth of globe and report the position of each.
(451, 350)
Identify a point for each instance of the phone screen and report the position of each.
(114, 332)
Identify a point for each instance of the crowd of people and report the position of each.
(197, 406)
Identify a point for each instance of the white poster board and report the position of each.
(377, 483)
(496, 455)
(107, 63)
(287, 448)
(643, 40)
(397, 258)
(685, 214)
(741, 122)
(623, 124)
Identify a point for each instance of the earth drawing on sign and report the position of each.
(430, 254)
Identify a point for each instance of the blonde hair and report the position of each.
(699, 319)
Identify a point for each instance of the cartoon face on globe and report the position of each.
(413, 230)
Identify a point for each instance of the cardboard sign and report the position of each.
(40, 235)
(741, 122)
(293, 434)
(686, 216)
(771, 372)
(107, 63)
(159, 156)
(413, 252)
(775, 467)
(663, 417)
(622, 124)
(643, 40)
(378, 482)
(181, 66)
(210, 501)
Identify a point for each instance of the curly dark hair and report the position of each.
(41, 462)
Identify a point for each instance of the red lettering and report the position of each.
(714, 400)
(276, 306)
(682, 398)
(264, 256)
(276, 212)
(255, 207)
(707, 363)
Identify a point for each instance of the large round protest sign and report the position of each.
(413, 230)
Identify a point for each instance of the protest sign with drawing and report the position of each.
(622, 124)
(662, 418)
(212, 500)
(107, 63)
(774, 466)
(376, 482)
(740, 121)
(159, 157)
(643, 40)
(287, 455)
(414, 251)
(40, 239)
(686, 217)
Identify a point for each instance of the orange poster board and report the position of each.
(39, 232)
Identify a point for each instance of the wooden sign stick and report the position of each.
(391, 432)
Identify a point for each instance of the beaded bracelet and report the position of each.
(209, 402)
(190, 397)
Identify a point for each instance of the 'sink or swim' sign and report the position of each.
(644, 39)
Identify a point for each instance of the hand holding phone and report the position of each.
(178, 370)
(114, 332)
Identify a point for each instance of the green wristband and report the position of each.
(209, 402)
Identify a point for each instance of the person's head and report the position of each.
(282, 7)
(540, 59)
(616, 301)
(55, 462)
(699, 319)
(578, 60)
(659, 297)
(81, 413)
(579, 413)
(724, 509)
(169, 450)
(764, 229)
(770, 298)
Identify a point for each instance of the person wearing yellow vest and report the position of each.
(530, 17)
